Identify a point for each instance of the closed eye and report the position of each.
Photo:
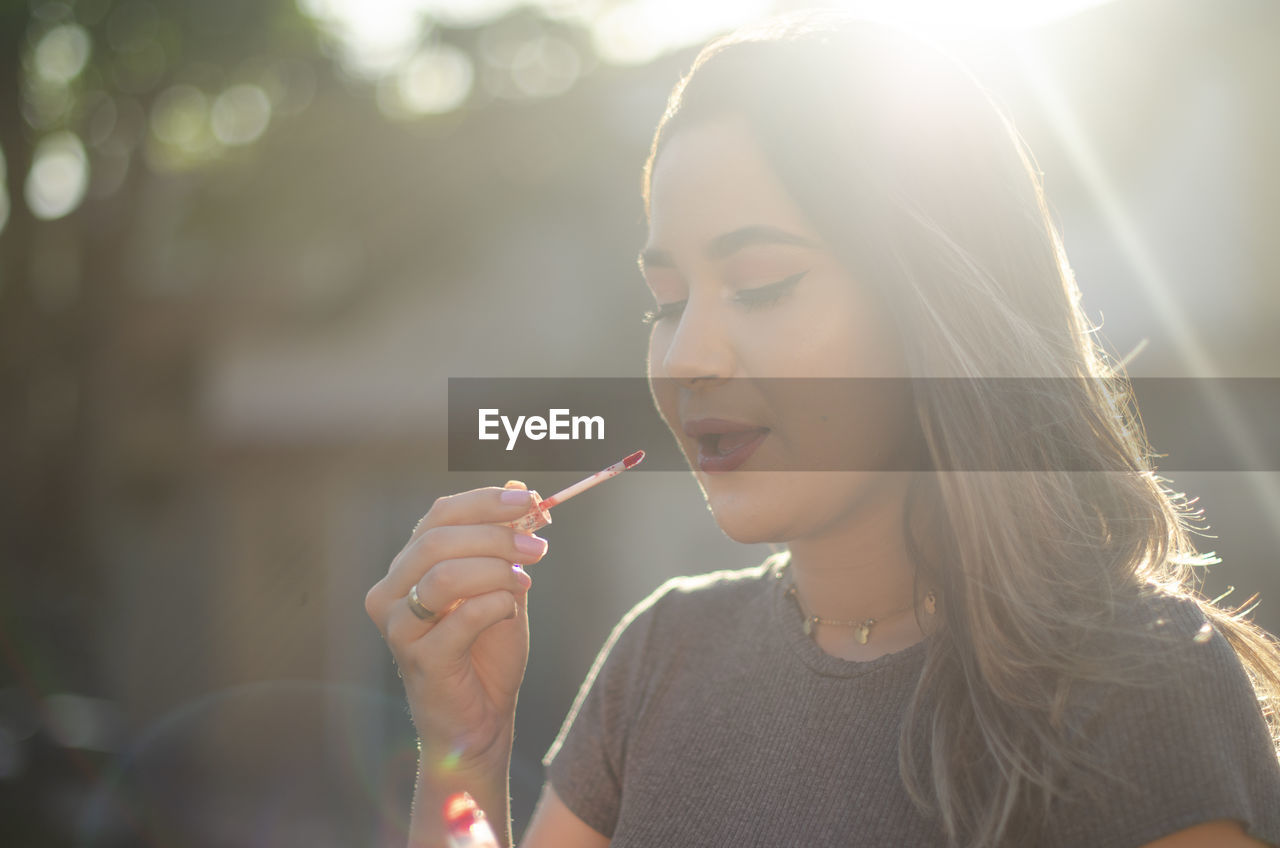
(771, 293)
(664, 310)
(750, 298)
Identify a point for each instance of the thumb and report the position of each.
(514, 484)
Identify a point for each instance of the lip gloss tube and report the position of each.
(539, 514)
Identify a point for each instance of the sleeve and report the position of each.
(1193, 748)
(585, 762)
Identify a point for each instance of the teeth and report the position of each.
(729, 442)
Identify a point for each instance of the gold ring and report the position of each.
(417, 608)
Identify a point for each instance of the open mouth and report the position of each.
(727, 451)
(723, 444)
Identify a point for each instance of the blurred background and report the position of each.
(243, 245)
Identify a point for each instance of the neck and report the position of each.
(858, 567)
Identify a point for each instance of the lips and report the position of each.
(723, 445)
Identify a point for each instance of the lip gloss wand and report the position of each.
(538, 515)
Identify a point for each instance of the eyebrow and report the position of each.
(726, 244)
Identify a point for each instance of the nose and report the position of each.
(699, 351)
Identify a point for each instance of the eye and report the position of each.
(768, 294)
(665, 310)
(754, 298)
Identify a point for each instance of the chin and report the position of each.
(749, 520)
(779, 507)
(746, 531)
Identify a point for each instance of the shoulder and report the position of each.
(688, 616)
(708, 597)
(1185, 674)
(659, 639)
(1181, 741)
(1185, 649)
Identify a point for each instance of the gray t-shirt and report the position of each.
(710, 718)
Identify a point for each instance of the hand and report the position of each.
(462, 670)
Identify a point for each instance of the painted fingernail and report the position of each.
(521, 575)
(530, 544)
(514, 496)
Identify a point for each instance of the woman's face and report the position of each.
(745, 290)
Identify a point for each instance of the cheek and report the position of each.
(872, 345)
(828, 329)
(659, 344)
(662, 390)
(850, 335)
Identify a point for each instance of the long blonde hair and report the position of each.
(923, 188)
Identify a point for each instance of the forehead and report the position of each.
(711, 178)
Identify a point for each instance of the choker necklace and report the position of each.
(863, 631)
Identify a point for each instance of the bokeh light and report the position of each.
(638, 31)
(375, 38)
(437, 79)
(180, 116)
(545, 67)
(240, 115)
(291, 85)
(61, 54)
(59, 176)
(465, 13)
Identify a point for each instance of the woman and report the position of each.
(1003, 648)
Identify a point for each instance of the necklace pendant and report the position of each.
(862, 634)
(808, 626)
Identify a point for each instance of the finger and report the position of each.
(455, 579)
(522, 598)
(490, 505)
(514, 484)
(404, 628)
(454, 634)
(441, 545)
(459, 542)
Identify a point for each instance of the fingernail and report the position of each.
(521, 575)
(514, 496)
(530, 544)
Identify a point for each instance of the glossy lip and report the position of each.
(716, 463)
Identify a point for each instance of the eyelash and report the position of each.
(755, 298)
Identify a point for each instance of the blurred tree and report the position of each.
(105, 105)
